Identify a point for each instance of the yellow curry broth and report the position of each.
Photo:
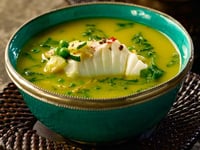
(31, 66)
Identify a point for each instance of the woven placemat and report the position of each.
(178, 131)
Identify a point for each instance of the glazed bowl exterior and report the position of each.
(101, 120)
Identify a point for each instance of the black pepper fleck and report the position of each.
(120, 47)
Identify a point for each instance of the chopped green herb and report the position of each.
(34, 79)
(28, 55)
(151, 73)
(34, 76)
(60, 80)
(142, 45)
(131, 81)
(49, 43)
(76, 58)
(120, 81)
(93, 33)
(72, 85)
(97, 88)
(103, 80)
(125, 88)
(43, 61)
(39, 77)
(81, 45)
(69, 93)
(112, 81)
(126, 25)
(84, 92)
(174, 60)
(130, 48)
(35, 50)
(28, 72)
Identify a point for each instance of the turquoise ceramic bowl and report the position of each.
(100, 121)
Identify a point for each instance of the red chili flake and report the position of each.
(113, 38)
(110, 40)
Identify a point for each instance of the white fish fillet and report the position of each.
(109, 58)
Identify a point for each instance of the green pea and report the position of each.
(57, 49)
(64, 52)
(63, 43)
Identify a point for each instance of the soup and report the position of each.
(156, 53)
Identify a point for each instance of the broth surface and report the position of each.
(31, 66)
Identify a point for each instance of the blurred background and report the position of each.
(13, 14)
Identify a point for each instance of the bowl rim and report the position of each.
(97, 103)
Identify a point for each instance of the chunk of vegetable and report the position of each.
(55, 64)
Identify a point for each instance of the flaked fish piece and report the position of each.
(106, 57)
